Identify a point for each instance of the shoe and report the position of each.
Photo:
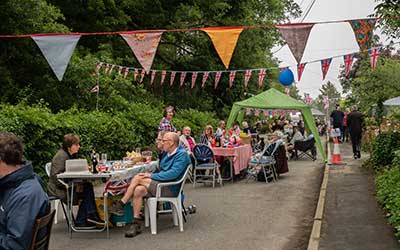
(117, 208)
(95, 220)
(85, 225)
(135, 228)
(355, 156)
(358, 154)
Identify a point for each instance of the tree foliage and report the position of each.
(389, 11)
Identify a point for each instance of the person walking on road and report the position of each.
(337, 120)
(355, 125)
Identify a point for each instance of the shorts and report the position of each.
(165, 191)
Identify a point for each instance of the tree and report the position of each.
(389, 11)
(333, 94)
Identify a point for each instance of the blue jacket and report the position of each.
(22, 200)
(172, 168)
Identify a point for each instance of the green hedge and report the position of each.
(113, 133)
(383, 149)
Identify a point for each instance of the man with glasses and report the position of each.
(186, 140)
(172, 167)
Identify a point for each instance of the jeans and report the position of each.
(87, 206)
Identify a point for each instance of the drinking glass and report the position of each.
(104, 158)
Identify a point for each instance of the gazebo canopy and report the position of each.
(274, 99)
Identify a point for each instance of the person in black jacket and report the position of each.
(22, 198)
(355, 125)
(337, 119)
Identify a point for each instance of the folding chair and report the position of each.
(306, 149)
(206, 167)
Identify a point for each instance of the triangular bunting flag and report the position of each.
(126, 72)
(296, 36)
(163, 74)
(205, 77)
(153, 75)
(231, 78)
(256, 112)
(363, 31)
(325, 63)
(261, 76)
(142, 75)
(224, 40)
(57, 50)
(373, 56)
(107, 68)
(135, 74)
(183, 76)
(144, 46)
(95, 89)
(217, 78)
(247, 76)
(248, 111)
(194, 77)
(98, 67)
(111, 70)
(300, 69)
(171, 81)
(287, 91)
(348, 61)
(119, 70)
(265, 112)
(326, 102)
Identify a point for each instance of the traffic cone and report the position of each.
(336, 157)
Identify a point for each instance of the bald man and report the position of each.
(172, 167)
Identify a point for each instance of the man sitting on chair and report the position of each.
(172, 167)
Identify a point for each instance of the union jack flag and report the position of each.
(183, 76)
(373, 55)
(163, 74)
(300, 69)
(119, 70)
(173, 73)
(217, 78)
(194, 77)
(111, 70)
(256, 112)
(231, 78)
(126, 72)
(135, 74)
(248, 111)
(153, 75)
(348, 61)
(307, 98)
(142, 75)
(325, 63)
(205, 77)
(247, 77)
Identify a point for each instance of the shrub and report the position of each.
(383, 149)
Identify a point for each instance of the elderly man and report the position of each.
(172, 167)
(22, 198)
(355, 125)
(186, 140)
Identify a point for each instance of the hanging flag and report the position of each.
(205, 77)
(265, 112)
(248, 111)
(373, 56)
(363, 32)
(153, 75)
(247, 76)
(231, 78)
(183, 76)
(194, 77)
(217, 78)
(296, 36)
(325, 63)
(307, 98)
(95, 89)
(256, 112)
(261, 76)
(107, 68)
(111, 70)
(171, 81)
(135, 74)
(300, 69)
(119, 70)
(224, 40)
(287, 91)
(57, 49)
(163, 74)
(98, 67)
(126, 72)
(142, 75)
(348, 61)
(326, 102)
(144, 46)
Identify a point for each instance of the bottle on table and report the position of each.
(94, 158)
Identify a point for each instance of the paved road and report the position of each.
(252, 215)
(353, 220)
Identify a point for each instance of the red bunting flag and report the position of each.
(348, 61)
(325, 63)
(373, 55)
(247, 77)
(111, 70)
(261, 76)
(95, 89)
(205, 77)
(171, 81)
(183, 76)
(153, 75)
(231, 78)
(163, 74)
(300, 69)
(194, 77)
(119, 70)
(142, 75)
(135, 74)
(126, 72)
(217, 78)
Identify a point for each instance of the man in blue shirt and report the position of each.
(172, 167)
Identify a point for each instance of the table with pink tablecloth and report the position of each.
(241, 156)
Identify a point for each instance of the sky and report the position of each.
(326, 40)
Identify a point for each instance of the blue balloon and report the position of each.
(286, 77)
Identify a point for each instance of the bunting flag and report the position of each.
(111, 70)
(296, 36)
(300, 69)
(194, 77)
(95, 89)
(348, 61)
(57, 50)
(153, 75)
(287, 91)
(247, 76)
(373, 56)
(231, 78)
(119, 70)
(171, 81)
(217, 78)
(205, 77)
(325, 63)
(142, 75)
(126, 72)
(248, 111)
(144, 46)
(107, 68)
(98, 67)
(183, 76)
(363, 31)
(135, 74)
(163, 74)
(256, 112)
(265, 112)
(224, 40)
(326, 102)
(307, 98)
(261, 76)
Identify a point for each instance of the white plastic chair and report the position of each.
(150, 210)
(55, 199)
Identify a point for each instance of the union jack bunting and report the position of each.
(325, 63)
(261, 76)
(373, 56)
(231, 78)
(153, 75)
(300, 69)
(194, 77)
(247, 76)
(95, 89)
(183, 76)
(256, 112)
(98, 67)
(265, 112)
(111, 70)
(119, 70)
(171, 81)
(248, 111)
(326, 102)
(107, 68)
(348, 61)
(287, 91)
(163, 74)
(307, 98)
(217, 78)
(142, 75)
(135, 74)
(205, 77)
(126, 72)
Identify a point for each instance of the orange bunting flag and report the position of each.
(144, 46)
(224, 40)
